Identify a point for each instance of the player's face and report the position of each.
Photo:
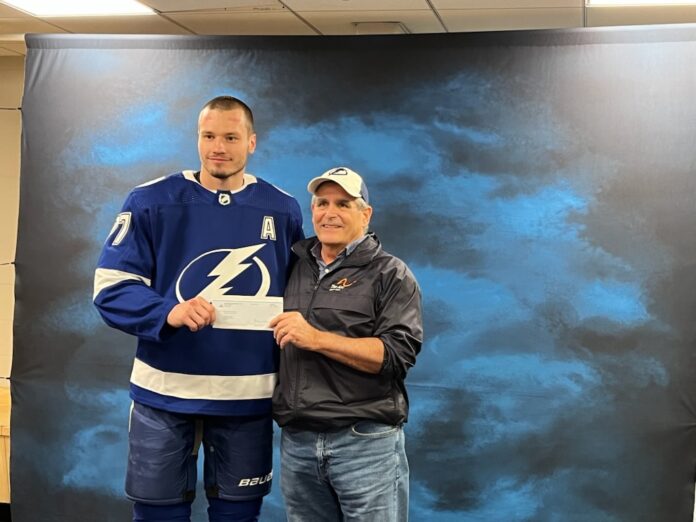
(336, 217)
(224, 143)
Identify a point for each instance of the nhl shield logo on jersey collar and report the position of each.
(224, 198)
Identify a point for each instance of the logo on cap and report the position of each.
(351, 182)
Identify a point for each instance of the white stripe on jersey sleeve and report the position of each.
(106, 277)
(210, 387)
(151, 182)
(281, 190)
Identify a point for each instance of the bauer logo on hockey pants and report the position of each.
(256, 481)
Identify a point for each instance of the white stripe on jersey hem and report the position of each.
(207, 387)
(106, 277)
(248, 180)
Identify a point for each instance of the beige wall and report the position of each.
(11, 85)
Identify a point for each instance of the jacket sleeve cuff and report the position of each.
(385, 360)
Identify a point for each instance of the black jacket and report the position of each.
(371, 294)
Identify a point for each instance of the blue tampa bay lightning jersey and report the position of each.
(173, 240)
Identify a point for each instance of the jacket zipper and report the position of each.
(317, 284)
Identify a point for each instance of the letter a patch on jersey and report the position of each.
(268, 228)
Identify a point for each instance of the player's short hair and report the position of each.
(227, 103)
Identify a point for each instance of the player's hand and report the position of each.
(194, 314)
(291, 327)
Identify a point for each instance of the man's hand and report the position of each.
(195, 314)
(364, 353)
(291, 327)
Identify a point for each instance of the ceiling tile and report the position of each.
(244, 23)
(13, 38)
(464, 20)
(8, 12)
(4, 51)
(637, 15)
(150, 24)
(505, 4)
(169, 6)
(355, 5)
(17, 47)
(344, 22)
(27, 25)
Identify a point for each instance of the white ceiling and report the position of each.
(332, 17)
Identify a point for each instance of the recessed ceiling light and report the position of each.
(48, 8)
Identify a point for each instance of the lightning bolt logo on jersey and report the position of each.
(181, 241)
(228, 265)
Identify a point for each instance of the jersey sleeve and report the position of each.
(296, 233)
(122, 281)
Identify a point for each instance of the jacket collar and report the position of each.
(362, 255)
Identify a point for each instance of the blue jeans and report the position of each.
(359, 474)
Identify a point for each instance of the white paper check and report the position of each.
(242, 312)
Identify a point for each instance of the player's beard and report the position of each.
(225, 174)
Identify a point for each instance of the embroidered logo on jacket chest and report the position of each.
(341, 285)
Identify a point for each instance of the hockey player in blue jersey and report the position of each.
(180, 243)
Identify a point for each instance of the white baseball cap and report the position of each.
(350, 180)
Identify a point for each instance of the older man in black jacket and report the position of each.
(351, 331)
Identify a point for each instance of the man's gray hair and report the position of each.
(359, 202)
